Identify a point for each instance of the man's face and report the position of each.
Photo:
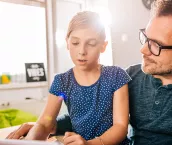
(160, 30)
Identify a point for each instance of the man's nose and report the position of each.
(145, 49)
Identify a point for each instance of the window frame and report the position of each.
(38, 3)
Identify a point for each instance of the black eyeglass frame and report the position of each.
(148, 39)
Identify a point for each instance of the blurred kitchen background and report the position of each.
(33, 31)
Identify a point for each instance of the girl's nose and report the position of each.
(82, 51)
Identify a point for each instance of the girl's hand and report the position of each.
(72, 138)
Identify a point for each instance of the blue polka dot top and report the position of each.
(90, 107)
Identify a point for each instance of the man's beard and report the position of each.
(150, 66)
(157, 70)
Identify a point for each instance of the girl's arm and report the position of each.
(47, 119)
(118, 131)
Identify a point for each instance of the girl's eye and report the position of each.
(75, 43)
(92, 45)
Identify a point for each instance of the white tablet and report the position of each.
(27, 142)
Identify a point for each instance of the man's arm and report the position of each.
(21, 131)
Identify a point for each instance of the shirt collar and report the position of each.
(158, 83)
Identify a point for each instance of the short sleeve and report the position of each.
(122, 78)
(134, 70)
(56, 86)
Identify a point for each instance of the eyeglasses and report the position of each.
(154, 47)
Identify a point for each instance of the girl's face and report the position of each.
(85, 46)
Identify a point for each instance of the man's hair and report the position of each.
(161, 8)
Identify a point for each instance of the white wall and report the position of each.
(128, 16)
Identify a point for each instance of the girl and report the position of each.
(96, 96)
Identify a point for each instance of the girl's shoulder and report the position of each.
(64, 76)
(114, 73)
(112, 69)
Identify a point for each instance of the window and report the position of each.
(22, 36)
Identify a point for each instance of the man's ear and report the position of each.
(104, 47)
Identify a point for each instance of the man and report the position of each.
(150, 90)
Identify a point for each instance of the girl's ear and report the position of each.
(67, 43)
(104, 46)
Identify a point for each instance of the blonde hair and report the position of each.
(86, 19)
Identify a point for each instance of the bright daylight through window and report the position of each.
(22, 37)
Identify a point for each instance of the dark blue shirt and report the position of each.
(90, 107)
(150, 109)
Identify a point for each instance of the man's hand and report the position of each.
(72, 138)
(21, 131)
